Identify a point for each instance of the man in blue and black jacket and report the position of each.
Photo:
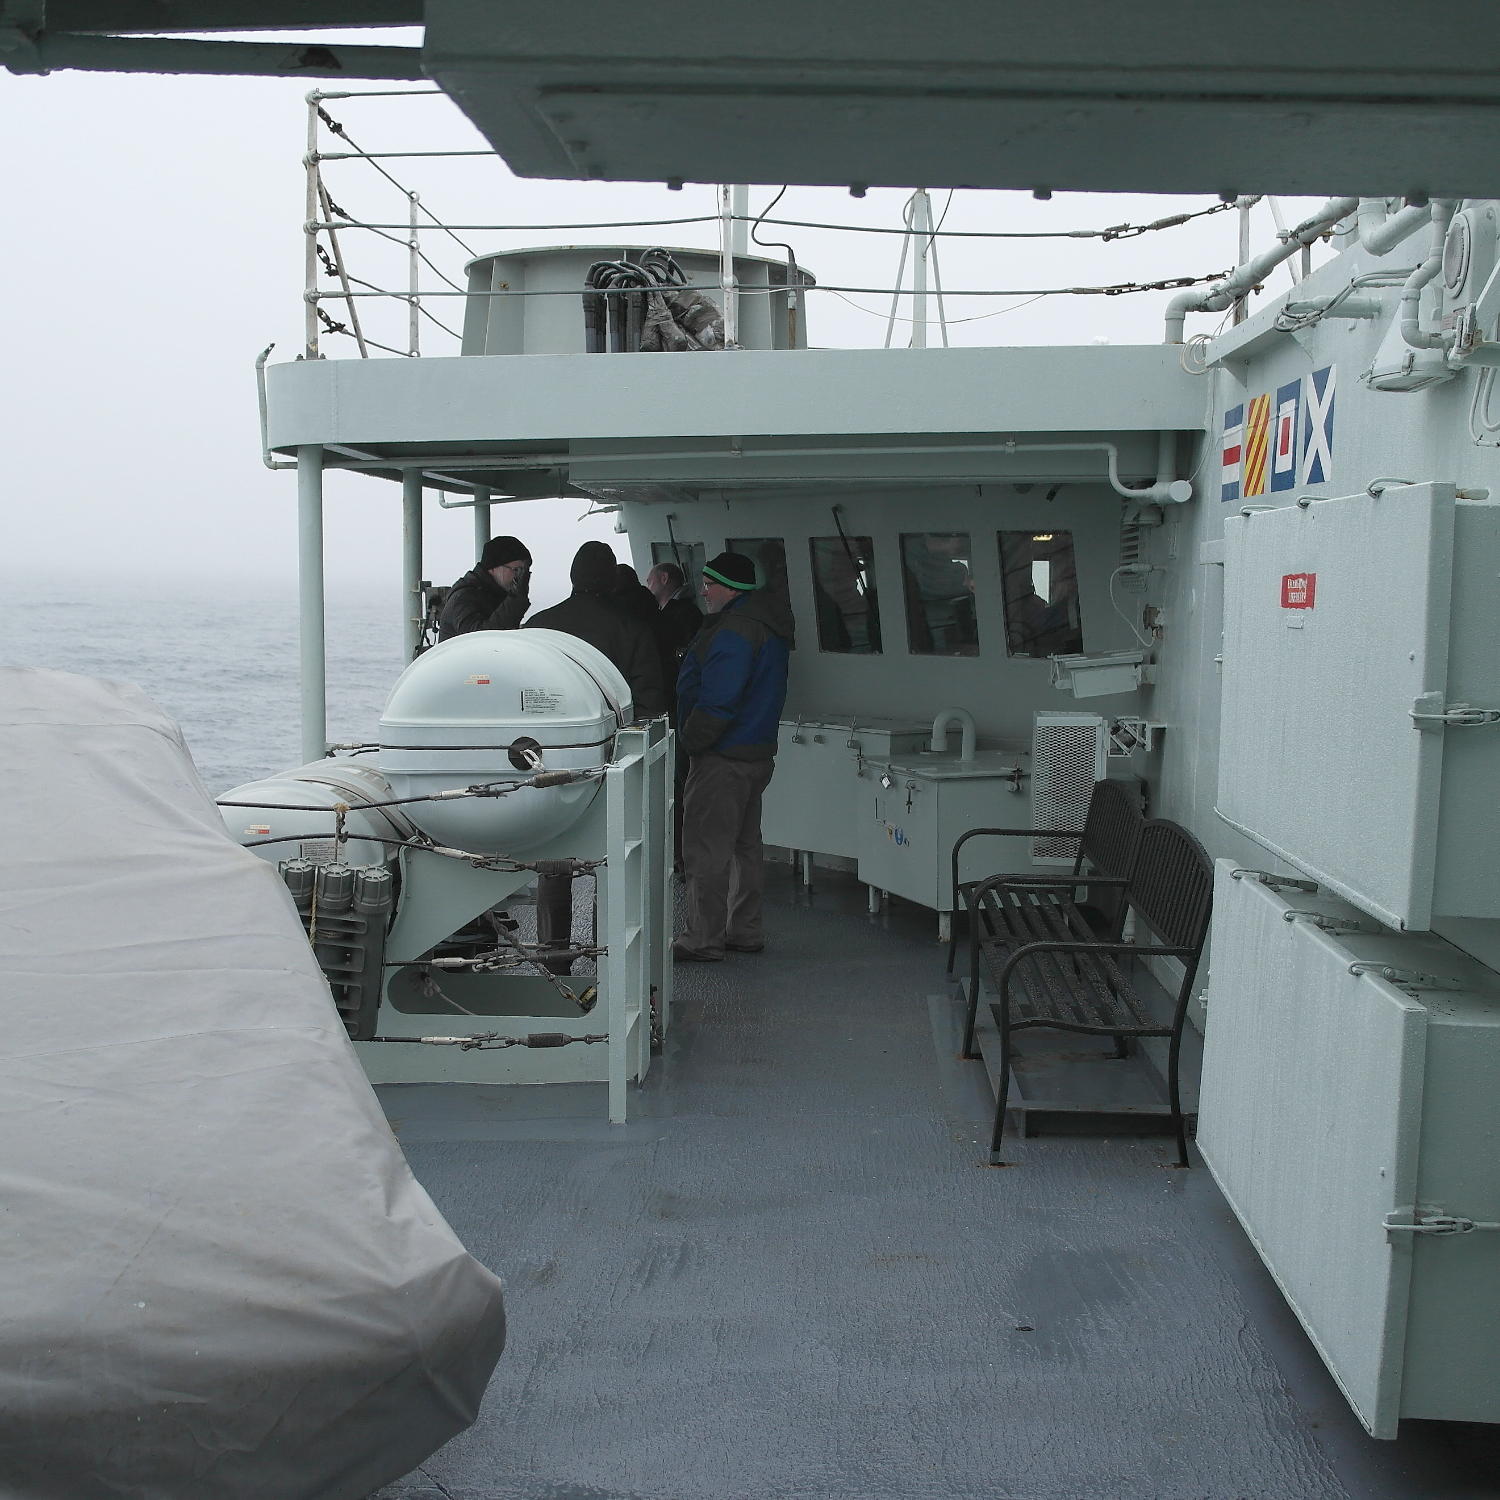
(730, 693)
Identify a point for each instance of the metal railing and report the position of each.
(413, 272)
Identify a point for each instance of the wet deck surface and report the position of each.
(791, 1274)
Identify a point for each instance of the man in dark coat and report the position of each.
(730, 694)
(677, 621)
(493, 595)
(589, 613)
(632, 597)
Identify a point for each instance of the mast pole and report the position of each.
(311, 623)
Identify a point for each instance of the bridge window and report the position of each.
(768, 553)
(1040, 579)
(938, 577)
(848, 612)
(689, 556)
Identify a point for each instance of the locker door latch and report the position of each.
(1427, 1220)
(1430, 712)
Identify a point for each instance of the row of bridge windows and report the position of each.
(1039, 583)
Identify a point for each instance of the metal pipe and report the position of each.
(967, 733)
(411, 561)
(1252, 272)
(481, 520)
(392, 155)
(1371, 216)
(311, 624)
(727, 284)
(1242, 213)
(1280, 222)
(260, 396)
(919, 218)
(1173, 491)
(310, 235)
(739, 198)
(1379, 234)
(1409, 309)
(413, 274)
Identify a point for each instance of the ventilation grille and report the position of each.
(1132, 551)
(1065, 763)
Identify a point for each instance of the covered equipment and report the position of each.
(218, 1275)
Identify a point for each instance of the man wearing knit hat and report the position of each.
(730, 693)
(591, 613)
(493, 595)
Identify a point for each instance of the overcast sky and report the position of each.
(155, 248)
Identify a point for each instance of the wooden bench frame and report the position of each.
(1106, 846)
(1050, 971)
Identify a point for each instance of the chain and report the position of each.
(332, 324)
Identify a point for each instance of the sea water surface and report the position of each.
(220, 657)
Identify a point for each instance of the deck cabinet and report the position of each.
(913, 810)
(1349, 1113)
(813, 799)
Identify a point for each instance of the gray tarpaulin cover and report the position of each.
(218, 1278)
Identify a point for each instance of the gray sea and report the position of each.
(221, 658)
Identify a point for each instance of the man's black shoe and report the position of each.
(692, 955)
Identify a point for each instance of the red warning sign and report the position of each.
(1299, 590)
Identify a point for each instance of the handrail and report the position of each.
(326, 220)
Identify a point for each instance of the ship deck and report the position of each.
(792, 1274)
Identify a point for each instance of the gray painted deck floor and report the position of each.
(791, 1275)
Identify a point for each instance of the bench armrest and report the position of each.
(1014, 833)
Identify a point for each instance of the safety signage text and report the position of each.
(1298, 590)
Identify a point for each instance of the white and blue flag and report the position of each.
(1317, 426)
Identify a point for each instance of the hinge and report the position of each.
(1275, 882)
(1425, 1219)
(1430, 712)
(1405, 979)
(1322, 920)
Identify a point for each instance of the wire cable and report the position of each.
(1148, 644)
(405, 192)
(901, 318)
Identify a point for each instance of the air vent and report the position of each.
(1068, 755)
(1132, 551)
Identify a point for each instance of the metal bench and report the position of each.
(1106, 845)
(1050, 970)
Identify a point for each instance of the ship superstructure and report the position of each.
(1251, 572)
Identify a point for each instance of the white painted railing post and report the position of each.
(311, 625)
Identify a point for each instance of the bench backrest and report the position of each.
(1110, 830)
(1172, 886)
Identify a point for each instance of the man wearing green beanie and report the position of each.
(730, 694)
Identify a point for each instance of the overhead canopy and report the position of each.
(1172, 96)
(217, 1274)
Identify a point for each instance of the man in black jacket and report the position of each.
(491, 596)
(677, 621)
(590, 614)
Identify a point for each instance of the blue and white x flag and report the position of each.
(1317, 426)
